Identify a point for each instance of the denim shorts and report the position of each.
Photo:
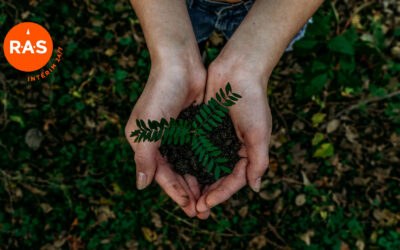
(210, 15)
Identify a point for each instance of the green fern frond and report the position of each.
(172, 132)
(181, 132)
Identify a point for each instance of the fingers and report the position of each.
(204, 215)
(193, 185)
(201, 205)
(257, 153)
(224, 188)
(258, 163)
(242, 152)
(230, 185)
(145, 159)
(176, 188)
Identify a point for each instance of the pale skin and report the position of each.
(178, 79)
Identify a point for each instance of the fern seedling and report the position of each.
(195, 134)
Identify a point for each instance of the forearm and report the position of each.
(167, 29)
(268, 28)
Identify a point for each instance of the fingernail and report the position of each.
(257, 185)
(141, 180)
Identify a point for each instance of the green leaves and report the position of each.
(342, 45)
(326, 150)
(227, 99)
(180, 132)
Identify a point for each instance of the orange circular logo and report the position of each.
(28, 46)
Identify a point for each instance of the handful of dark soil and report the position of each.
(186, 162)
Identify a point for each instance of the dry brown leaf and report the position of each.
(243, 211)
(270, 196)
(257, 242)
(306, 237)
(300, 200)
(156, 219)
(46, 208)
(332, 126)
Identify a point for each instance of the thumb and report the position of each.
(258, 164)
(146, 163)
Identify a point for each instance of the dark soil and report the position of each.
(185, 161)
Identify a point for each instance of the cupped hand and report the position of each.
(251, 117)
(170, 88)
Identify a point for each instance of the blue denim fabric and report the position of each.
(209, 15)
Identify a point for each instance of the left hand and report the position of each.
(251, 117)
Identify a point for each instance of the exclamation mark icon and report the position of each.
(27, 32)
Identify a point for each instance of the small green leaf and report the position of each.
(203, 114)
(236, 95)
(207, 127)
(318, 118)
(226, 170)
(217, 171)
(233, 98)
(220, 113)
(144, 125)
(221, 160)
(210, 165)
(222, 93)
(341, 44)
(212, 123)
(163, 122)
(228, 88)
(216, 153)
(318, 137)
(138, 123)
(150, 124)
(205, 160)
(201, 155)
(207, 109)
(326, 150)
(218, 97)
(135, 133)
(198, 118)
(228, 103)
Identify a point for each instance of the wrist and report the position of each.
(245, 60)
(182, 70)
(238, 69)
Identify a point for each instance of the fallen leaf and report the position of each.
(149, 235)
(360, 244)
(46, 208)
(306, 181)
(33, 138)
(156, 219)
(257, 242)
(306, 237)
(326, 150)
(243, 211)
(318, 118)
(270, 196)
(332, 126)
(300, 200)
(318, 137)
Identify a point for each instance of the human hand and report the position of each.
(171, 87)
(251, 117)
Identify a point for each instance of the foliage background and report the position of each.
(333, 180)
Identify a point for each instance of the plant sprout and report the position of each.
(181, 132)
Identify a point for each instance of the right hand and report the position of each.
(170, 88)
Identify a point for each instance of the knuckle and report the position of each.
(140, 158)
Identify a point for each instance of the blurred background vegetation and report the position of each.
(67, 176)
